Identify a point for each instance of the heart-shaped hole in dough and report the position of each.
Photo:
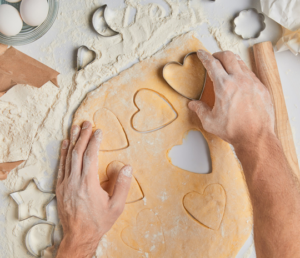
(193, 154)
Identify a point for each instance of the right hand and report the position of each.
(243, 110)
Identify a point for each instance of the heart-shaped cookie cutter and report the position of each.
(174, 62)
(28, 241)
(99, 22)
(80, 57)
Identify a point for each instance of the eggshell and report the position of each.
(34, 12)
(13, 1)
(10, 20)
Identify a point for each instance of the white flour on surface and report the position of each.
(34, 121)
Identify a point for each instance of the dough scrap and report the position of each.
(165, 185)
(155, 112)
(207, 208)
(187, 79)
(135, 193)
(114, 136)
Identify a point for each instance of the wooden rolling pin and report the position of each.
(267, 72)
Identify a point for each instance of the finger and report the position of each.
(228, 61)
(62, 162)
(202, 110)
(122, 187)
(213, 66)
(245, 68)
(75, 130)
(90, 157)
(79, 149)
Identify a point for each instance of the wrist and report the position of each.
(253, 145)
(78, 246)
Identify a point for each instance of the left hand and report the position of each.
(85, 210)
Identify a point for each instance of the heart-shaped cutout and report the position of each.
(193, 154)
(135, 193)
(146, 235)
(187, 79)
(114, 136)
(207, 208)
(85, 56)
(154, 111)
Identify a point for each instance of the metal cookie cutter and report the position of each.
(100, 24)
(237, 22)
(204, 82)
(28, 241)
(19, 200)
(83, 59)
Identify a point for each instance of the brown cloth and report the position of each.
(18, 68)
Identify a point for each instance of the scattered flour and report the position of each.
(34, 121)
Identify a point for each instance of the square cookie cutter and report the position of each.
(260, 17)
(182, 64)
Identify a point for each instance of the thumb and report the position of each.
(201, 109)
(122, 186)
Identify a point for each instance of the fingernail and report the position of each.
(127, 171)
(201, 53)
(65, 144)
(75, 132)
(85, 125)
(238, 57)
(98, 134)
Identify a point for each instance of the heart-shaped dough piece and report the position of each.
(154, 111)
(188, 79)
(114, 136)
(135, 193)
(207, 208)
(147, 235)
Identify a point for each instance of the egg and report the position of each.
(10, 20)
(34, 12)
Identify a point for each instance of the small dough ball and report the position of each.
(10, 20)
(34, 12)
(13, 1)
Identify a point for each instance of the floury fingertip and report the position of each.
(192, 105)
(127, 171)
(85, 125)
(65, 144)
(98, 134)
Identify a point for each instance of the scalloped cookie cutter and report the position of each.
(28, 241)
(100, 24)
(83, 59)
(182, 64)
(18, 199)
(261, 19)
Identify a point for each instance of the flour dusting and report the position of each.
(33, 121)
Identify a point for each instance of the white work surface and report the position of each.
(289, 65)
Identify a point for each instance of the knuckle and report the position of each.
(227, 53)
(116, 209)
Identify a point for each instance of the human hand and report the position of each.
(243, 110)
(85, 210)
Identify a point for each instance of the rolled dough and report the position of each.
(182, 214)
